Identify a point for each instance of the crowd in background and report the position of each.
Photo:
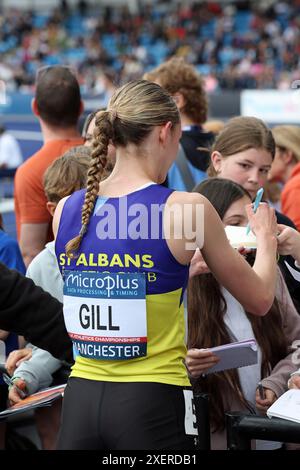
(238, 46)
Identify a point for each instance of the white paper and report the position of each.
(294, 273)
(237, 236)
(287, 406)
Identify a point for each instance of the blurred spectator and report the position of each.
(215, 126)
(286, 169)
(10, 254)
(105, 85)
(272, 193)
(10, 152)
(186, 86)
(57, 105)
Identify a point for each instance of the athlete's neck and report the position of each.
(128, 175)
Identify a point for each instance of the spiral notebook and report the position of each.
(234, 355)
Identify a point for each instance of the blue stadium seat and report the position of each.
(242, 21)
(203, 69)
(159, 51)
(75, 25)
(75, 55)
(52, 60)
(208, 30)
(145, 39)
(39, 20)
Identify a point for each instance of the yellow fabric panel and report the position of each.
(166, 349)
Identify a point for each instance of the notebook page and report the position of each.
(287, 406)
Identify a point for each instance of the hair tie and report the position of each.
(83, 230)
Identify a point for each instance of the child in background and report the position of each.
(10, 254)
(66, 175)
(244, 152)
(286, 169)
(216, 318)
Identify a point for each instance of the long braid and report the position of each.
(102, 135)
(133, 111)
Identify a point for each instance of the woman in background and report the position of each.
(216, 318)
(244, 152)
(286, 169)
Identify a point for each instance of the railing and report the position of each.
(201, 401)
(241, 429)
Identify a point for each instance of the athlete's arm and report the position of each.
(253, 288)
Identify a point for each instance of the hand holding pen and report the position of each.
(14, 394)
(256, 203)
(262, 219)
(11, 383)
(261, 391)
(264, 398)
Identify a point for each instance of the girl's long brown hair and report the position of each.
(206, 310)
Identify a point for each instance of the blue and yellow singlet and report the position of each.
(135, 333)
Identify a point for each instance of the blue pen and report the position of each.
(256, 203)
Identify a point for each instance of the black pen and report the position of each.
(261, 391)
(11, 383)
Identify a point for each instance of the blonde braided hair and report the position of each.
(102, 135)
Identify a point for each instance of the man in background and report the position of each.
(57, 105)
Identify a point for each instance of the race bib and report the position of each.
(105, 314)
(190, 421)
